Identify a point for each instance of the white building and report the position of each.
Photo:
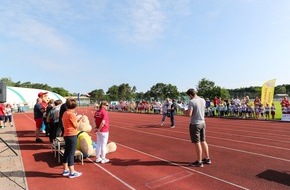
(27, 96)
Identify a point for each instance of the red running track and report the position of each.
(246, 154)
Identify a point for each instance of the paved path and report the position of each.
(12, 175)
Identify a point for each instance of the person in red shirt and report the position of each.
(2, 115)
(285, 101)
(215, 101)
(102, 130)
(257, 102)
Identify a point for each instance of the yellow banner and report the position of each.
(268, 92)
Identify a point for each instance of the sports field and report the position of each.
(246, 154)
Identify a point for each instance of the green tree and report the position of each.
(280, 90)
(97, 95)
(8, 81)
(61, 91)
(207, 89)
(113, 93)
(224, 93)
(139, 96)
(157, 92)
(171, 92)
(125, 92)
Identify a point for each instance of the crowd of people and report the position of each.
(218, 107)
(244, 108)
(59, 119)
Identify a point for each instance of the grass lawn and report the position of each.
(278, 115)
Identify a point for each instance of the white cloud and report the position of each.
(147, 21)
(140, 21)
(28, 28)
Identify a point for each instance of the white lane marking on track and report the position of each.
(168, 179)
(120, 180)
(248, 130)
(108, 172)
(233, 149)
(27, 116)
(187, 168)
(248, 136)
(270, 146)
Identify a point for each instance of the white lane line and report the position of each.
(231, 140)
(233, 149)
(120, 180)
(28, 117)
(114, 176)
(250, 137)
(227, 127)
(168, 179)
(250, 143)
(187, 168)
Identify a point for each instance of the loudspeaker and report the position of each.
(2, 92)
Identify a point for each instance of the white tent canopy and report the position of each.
(27, 96)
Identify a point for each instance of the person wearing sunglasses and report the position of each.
(102, 132)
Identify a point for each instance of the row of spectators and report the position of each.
(240, 108)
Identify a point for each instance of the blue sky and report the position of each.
(83, 45)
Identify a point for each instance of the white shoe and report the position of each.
(105, 160)
(98, 160)
(75, 174)
(161, 123)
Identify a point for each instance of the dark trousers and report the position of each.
(70, 148)
(55, 131)
(172, 118)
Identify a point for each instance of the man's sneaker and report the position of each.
(196, 164)
(98, 160)
(65, 173)
(75, 174)
(38, 140)
(162, 123)
(105, 160)
(173, 126)
(206, 161)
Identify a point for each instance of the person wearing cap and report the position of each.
(44, 104)
(38, 118)
(196, 110)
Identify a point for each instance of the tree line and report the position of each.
(159, 91)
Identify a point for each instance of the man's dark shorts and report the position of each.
(197, 132)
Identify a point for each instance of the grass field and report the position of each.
(278, 115)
